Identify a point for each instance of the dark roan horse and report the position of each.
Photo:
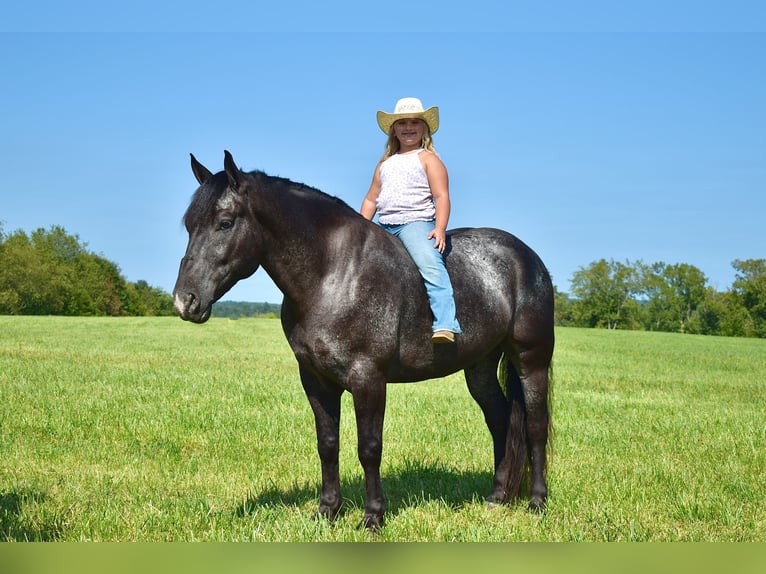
(356, 315)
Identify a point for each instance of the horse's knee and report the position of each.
(370, 452)
(328, 447)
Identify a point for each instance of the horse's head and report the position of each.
(223, 244)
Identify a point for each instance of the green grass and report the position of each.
(153, 429)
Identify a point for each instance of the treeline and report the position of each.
(662, 297)
(242, 309)
(50, 272)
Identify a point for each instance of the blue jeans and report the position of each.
(430, 263)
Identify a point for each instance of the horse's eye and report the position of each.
(225, 224)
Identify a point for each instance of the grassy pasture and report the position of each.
(153, 429)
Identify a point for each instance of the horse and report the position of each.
(356, 315)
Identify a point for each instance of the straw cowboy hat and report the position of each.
(409, 108)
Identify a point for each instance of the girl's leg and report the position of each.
(431, 265)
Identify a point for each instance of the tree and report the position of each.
(672, 295)
(749, 290)
(563, 309)
(237, 309)
(719, 314)
(99, 286)
(52, 273)
(141, 299)
(605, 295)
(25, 283)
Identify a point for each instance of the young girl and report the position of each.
(410, 194)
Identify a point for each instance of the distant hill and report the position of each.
(239, 309)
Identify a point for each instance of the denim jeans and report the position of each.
(431, 265)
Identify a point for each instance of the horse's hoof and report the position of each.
(496, 499)
(371, 522)
(321, 517)
(536, 505)
(326, 513)
(493, 502)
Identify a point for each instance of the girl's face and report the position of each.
(409, 132)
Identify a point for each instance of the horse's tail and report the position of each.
(517, 439)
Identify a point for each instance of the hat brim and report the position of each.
(430, 116)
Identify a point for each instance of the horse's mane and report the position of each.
(206, 196)
(288, 185)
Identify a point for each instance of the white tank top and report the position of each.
(405, 195)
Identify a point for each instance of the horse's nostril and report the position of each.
(186, 303)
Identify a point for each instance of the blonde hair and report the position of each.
(393, 145)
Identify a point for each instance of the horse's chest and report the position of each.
(323, 351)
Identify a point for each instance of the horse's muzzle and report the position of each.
(188, 306)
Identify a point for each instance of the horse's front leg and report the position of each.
(325, 403)
(369, 406)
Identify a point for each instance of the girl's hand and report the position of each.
(440, 237)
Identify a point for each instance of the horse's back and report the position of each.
(501, 262)
(498, 248)
(503, 296)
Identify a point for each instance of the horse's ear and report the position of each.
(200, 171)
(232, 171)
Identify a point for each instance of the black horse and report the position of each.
(356, 315)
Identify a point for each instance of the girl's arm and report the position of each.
(438, 181)
(370, 202)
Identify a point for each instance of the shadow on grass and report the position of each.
(16, 527)
(410, 486)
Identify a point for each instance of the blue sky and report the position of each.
(616, 130)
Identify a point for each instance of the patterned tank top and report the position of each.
(405, 195)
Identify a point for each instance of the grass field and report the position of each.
(153, 429)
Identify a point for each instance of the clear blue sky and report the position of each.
(617, 130)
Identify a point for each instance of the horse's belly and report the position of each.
(434, 361)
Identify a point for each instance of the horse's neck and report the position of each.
(303, 236)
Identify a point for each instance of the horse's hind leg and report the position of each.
(485, 389)
(535, 389)
(523, 431)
